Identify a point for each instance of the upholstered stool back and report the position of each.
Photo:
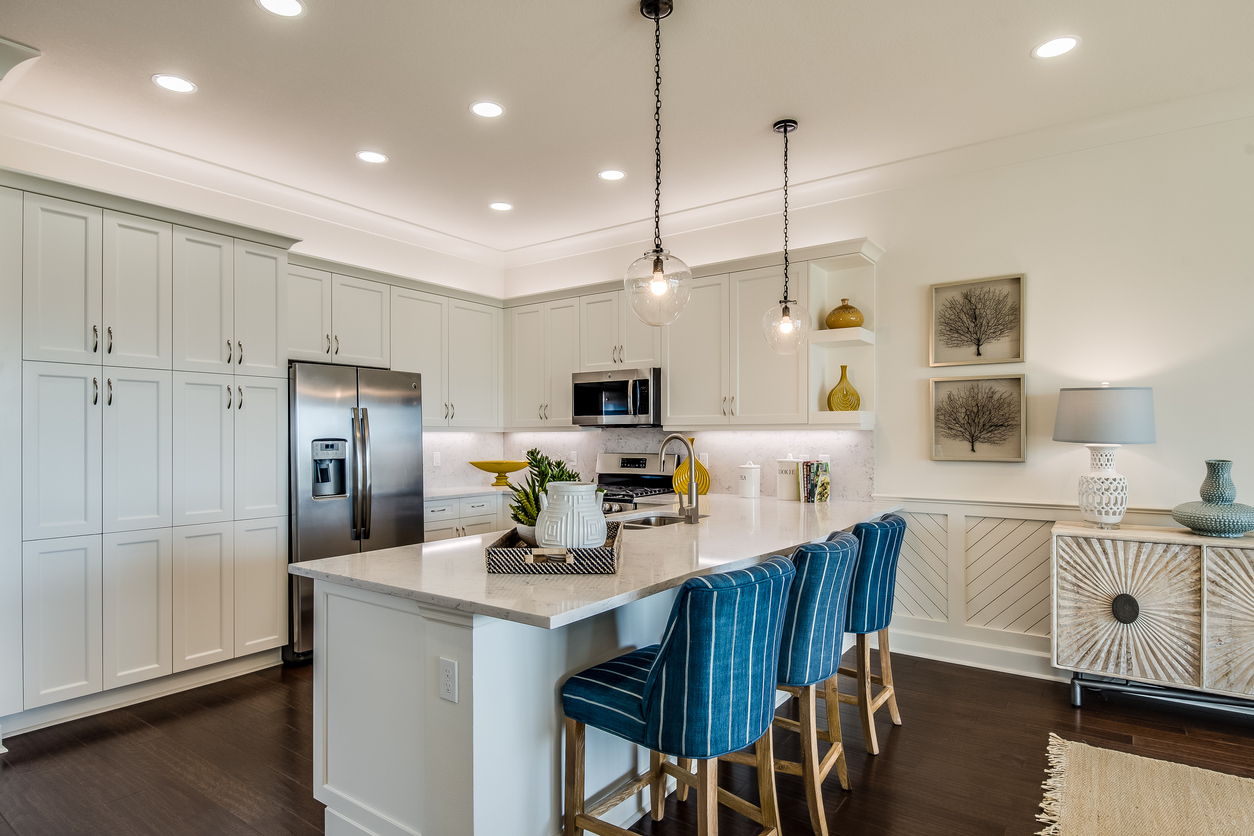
(814, 620)
(875, 578)
(711, 689)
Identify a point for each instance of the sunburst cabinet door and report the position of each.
(1129, 609)
(1230, 620)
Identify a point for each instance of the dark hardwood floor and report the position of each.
(234, 758)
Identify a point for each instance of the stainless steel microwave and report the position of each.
(618, 398)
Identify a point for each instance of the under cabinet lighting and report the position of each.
(501, 207)
(283, 8)
(1055, 47)
(174, 83)
(372, 157)
(487, 109)
(611, 174)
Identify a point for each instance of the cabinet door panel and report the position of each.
(442, 531)
(360, 322)
(204, 301)
(138, 449)
(261, 456)
(61, 619)
(525, 367)
(260, 310)
(767, 388)
(599, 319)
(61, 286)
(1230, 620)
(640, 344)
(478, 525)
(260, 585)
(419, 341)
(204, 448)
(308, 314)
(474, 365)
(562, 358)
(62, 407)
(204, 595)
(696, 347)
(138, 292)
(10, 454)
(138, 597)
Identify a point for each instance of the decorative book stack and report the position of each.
(814, 481)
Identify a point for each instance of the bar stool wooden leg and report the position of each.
(657, 786)
(865, 710)
(886, 677)
(681, 790)
(707, 797)
(811, 775)
(574, 776)
(768, 804)
(831, 701)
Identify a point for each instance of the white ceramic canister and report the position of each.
(786, 486)
(570, 517)
(750, 480)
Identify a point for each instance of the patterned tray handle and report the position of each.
(549, 556)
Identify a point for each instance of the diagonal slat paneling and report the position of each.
(922, 574)
(1007, 574)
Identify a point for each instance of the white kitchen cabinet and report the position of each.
(360, 322)
(525, 374)
(441, 531)
(204, 301)
(138, 449)
(696, 348)
(474, 365)
(138, 292)
(308, 314)
(61, 619)
(479, 525)
(138, 600)
(204, 448)
(561, 359)
(613, 337)
(260, 310)
(444, 519)
(261, 453)
(766, 388)
(640, 345)
(204, 595)
(260, 584)
(420, 344)
(62, 408)
(11, 453)
(61, 286)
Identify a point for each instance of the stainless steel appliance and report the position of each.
(627, 477)
(356, 471)
(619, 398)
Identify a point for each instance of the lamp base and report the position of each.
(1103, 492)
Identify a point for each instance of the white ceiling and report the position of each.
(291, 100)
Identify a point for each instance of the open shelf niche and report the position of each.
(850, 276)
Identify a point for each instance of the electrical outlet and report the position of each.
(704, 458)
(573, 458)
(448, 679)
(435, 459)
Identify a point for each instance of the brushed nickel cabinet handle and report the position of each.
(241, 353)
(109, 346)
(733, 405)
(230, 397)
(230, 352)
(109, 391)
(240, 405)
(446, 411)
(337, 344)
(95, 338)
(724, 406)
(95, 391)
(328, 343)
(453, 408)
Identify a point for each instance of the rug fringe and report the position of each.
(1055, 786)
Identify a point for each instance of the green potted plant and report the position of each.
(526, 505)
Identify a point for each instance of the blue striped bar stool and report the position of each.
(809, 655)
(870, 611)
(706, 690)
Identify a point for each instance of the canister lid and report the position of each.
(751, 464)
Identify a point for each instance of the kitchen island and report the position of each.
(436, 685)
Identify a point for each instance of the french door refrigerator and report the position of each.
(356, 471)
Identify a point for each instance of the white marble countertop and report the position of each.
(461, 490)
(452, 573)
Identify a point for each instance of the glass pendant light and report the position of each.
(786, 325)
(658, 284)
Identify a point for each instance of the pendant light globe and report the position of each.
(658, 286)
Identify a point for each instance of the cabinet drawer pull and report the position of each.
(109, 392)
(95, 338)
(230, 352)
(109, 345)
(436, 510)
(230, 397)
(480, 505)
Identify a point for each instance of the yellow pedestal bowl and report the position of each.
(501, 469)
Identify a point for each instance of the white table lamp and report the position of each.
(1103, 418)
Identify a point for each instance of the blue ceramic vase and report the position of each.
(1217, 515)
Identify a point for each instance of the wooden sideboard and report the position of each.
(1154, 606)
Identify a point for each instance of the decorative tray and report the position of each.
(510, 555)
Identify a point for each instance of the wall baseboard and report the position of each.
(974, 654)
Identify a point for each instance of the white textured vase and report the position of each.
(1103, 492)
(570, 517)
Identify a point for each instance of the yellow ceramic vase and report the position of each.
(679, 482)
(843, 397)
(845, 316)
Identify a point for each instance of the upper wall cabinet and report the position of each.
(696, 349)
(61, 270)
(138, 292)
(260, 310)
(766, 388)
(474, 365)
(204, 301)
(360, 322)
(613, 337)
(308, 314)
(420, 344)
(542, 350)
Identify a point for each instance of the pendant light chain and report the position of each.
(785, 299)
(657, 132)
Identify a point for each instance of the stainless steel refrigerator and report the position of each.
(356, 471)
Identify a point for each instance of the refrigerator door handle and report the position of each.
(358, 468)
(368, 483)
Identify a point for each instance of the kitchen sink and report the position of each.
(655, 521)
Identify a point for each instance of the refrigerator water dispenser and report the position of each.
(329, 458)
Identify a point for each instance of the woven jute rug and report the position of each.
(1097, 792)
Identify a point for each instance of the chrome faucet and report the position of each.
(689, 514)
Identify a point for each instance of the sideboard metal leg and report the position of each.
(1075, 690)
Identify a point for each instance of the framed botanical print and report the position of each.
(977, 321)
(979, 419)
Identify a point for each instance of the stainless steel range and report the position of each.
(628, 477)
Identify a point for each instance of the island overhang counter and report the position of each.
(392, 757)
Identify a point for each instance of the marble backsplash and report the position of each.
(456, 451)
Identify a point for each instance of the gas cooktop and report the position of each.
(627, 477)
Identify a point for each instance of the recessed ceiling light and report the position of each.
(173, 82)
(283, 8)
(501, 207)
(611, 174)
(488, 109)
(1056, 47)
(372, 157)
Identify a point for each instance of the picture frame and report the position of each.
(981, 418)
(961, 338)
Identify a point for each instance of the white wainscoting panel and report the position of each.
(1008, 574)
(922, 572)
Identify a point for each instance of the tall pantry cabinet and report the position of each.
(151, 403)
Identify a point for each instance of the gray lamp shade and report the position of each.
(1106, 415)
